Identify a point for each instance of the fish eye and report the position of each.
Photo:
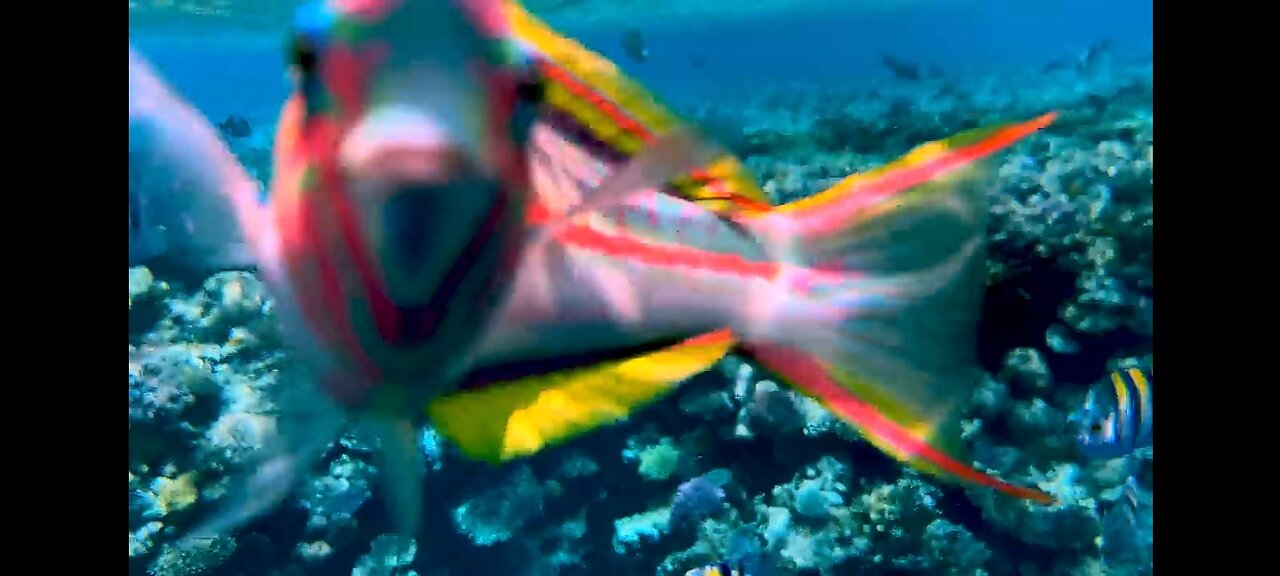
(303, 55)
(530, 90)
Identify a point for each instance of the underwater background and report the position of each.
(732, 466)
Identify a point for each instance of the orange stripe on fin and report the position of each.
(808, 375)
(922, 164)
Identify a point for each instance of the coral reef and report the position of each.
(733, 466)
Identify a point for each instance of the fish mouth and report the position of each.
(404, 146)
(408, 222)
(424, 229)
(407, 164)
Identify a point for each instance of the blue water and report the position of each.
(244, 74)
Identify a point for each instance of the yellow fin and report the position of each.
(506, 420)
(622, 115)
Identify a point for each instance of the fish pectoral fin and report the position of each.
(186, 177)
(593, 96)
(665, 158)
(306, 425)
(402, 467)
(511, 419)
(255, 493)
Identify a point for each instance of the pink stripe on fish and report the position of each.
(367, 11)
(487, 15)
(808, 374)
(658, 254)
(345, 70)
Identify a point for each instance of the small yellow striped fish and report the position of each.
(717, 569)
(1116, 417)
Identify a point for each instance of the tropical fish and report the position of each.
(1116, 418)
(235, 127)
(395, 219)
(717, 569)
(634, 45)
(699, 497)
(492, 222)
(743, 556)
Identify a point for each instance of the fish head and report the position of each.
(1096, 425)
(419, 87)
(399, 167)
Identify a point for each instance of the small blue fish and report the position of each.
(634, 45)
(1116, 417)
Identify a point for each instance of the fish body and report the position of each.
(633, 43)
(402, 187)
(392, 227)
(824, 292)
(391, 232)
(1116, 418)
(473, 214)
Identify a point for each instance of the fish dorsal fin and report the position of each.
(615, 118)
(504, 420)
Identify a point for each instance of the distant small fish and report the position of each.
(1091, 54)
(903, 69)
(1054, 66)
(717, 569)
(1116, 417)
(634, 45)
(699, 497)
(235, 127)
(1085, 60)
(698, 61)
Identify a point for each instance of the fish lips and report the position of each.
(423, 229)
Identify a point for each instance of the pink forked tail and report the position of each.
(891, 283)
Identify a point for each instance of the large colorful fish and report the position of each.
(474, 214)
